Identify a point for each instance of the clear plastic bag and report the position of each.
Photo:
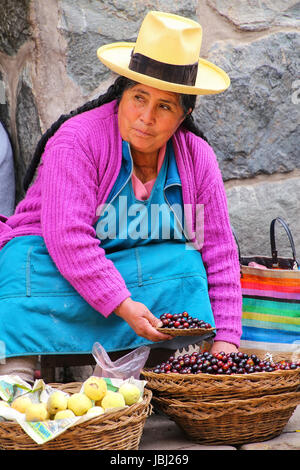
(125, 367)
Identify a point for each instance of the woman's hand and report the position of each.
(220, 346)
(141, 320)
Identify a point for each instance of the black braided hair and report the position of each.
(188, 102)
(115, 91)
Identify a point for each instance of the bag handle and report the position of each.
(273, 243)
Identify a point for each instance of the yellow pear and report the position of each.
(57, 401)
(95, 411)
(113, 400)
(79, 403)
(63, 414)
(21, 403)
(95, 388)
(37, 412)
(130, 392)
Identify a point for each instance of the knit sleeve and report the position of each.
(69, 189)
(220, 255)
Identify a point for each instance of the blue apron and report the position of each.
(41, 313)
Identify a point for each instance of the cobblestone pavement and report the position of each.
(160, 433)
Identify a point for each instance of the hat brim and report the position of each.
(210, 80)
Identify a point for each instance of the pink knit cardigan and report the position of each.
(77, 171)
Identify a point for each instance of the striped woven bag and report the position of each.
(271, 301)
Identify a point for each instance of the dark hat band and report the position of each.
(180, 74)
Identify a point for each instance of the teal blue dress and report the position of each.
(41, 313)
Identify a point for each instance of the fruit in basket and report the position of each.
(79, 403)
(112, 400)
(58, 401)
(182, 321)
(130, 392)
(37, 412)
(220, 363)
(95, 411)
(63, 414)
(95, 388)
(21, 403)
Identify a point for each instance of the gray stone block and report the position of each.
(15, 28)
(254, 126)
(28, 128)
(258, 15)
(87, 25)
(252, 208)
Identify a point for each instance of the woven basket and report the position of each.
(118, 430)
(186, 332)
(209, 387)
(232, 422)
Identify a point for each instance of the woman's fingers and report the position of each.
(151, 325)
(141, 320)
(145, 325)
(155, 322)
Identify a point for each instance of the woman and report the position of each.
(127, 216)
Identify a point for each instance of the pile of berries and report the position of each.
(182, 321)
(221, 363)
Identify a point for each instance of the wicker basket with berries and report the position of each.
(222, 398)
(206, 376)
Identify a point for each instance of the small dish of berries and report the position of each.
(183, 324)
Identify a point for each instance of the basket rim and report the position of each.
(295, 396)
(268, 405)
(167, 377)
(186, 331)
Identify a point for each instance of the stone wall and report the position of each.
(48, 66)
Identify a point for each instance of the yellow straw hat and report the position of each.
(166, 56)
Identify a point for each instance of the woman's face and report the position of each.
(148, 117)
